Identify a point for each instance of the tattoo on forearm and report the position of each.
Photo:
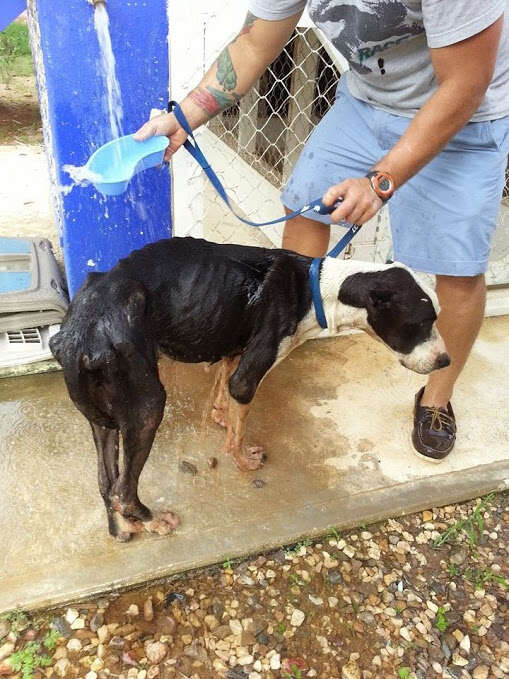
(248, 23)
(212, 100)
(226, 75)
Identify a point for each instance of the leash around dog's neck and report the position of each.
(316, 205)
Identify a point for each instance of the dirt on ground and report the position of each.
(20, 119)
(420, 597)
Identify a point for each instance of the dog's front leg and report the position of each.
(247, 458)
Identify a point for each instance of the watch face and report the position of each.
(384, 184)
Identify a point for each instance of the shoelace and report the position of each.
(438, 417)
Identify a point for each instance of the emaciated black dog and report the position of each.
(195, 301)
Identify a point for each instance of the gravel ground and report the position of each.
(422, 596)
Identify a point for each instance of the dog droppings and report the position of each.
(212, 462)
(188, 468)
(258, 483)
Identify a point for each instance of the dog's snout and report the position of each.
(443, 361)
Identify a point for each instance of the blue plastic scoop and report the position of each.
(113, 165)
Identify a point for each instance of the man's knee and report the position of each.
(459, 289)
(460, 283)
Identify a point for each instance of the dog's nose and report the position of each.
(443, 361)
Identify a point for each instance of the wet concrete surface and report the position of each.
(335, 418)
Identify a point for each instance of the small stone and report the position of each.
(459, 660)
(316, 600)
(96, 621)
(153, 672)
(349, 551)
(481, 672)
(427, 516)
(133, 611)
(432, 607)
(245, 580)
(212, 462)
(258, 483)
(406, 634)
(297, 618)
(350, 670)
(103, 634)
(79, 623)
(458, 555)
(235, 626)
(148, 609)
(97, 665)
(60, 652)
(211, 621)
(333, 601)
(62, 626)
(245, 660)
(275, 662)
(465, 644)
(62, 667)
(334, 577)
(74, 645)
(91, 675)
(70, 615)
(156, 652)
(6, 650)
(117, 643)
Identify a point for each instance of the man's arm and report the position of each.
(464, 71)
(234, 72)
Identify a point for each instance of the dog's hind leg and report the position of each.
(221, 395)
(106, 443)
(138, 433)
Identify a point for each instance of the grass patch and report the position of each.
(441, 622)
(472, 526)
(15, 56)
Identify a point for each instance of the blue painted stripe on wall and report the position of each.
(97, 231)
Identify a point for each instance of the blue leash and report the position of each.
(191, 145)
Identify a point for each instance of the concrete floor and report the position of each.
(335, 419)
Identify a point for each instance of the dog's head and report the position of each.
(401, 312)
(102, 347)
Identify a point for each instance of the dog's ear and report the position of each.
(366, 289)
(354, 290)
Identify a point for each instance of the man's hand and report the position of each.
(359, 204)
(164, 124)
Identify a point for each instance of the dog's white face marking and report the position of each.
(429, 354)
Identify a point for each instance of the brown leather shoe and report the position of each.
(434, 431)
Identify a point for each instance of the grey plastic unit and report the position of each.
(31, 291)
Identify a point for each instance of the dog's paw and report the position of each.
(250, 458)
(219, 416)
(162, 523)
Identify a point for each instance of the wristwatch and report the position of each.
(382, 184)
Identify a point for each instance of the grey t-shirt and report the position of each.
(386, 44)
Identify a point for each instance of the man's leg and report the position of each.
(306, 236)
(462, 301)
